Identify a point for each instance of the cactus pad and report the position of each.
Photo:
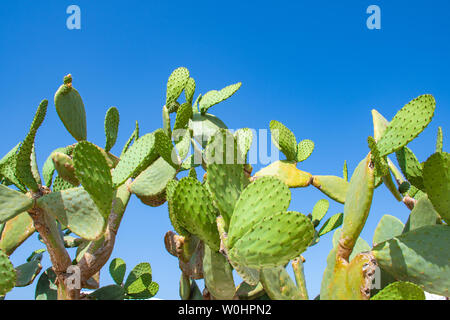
(23, 158)
(213, 97)
(15, 232)
(262, 198)
(411, 167)
(8, 168)
(111, 127)
(358, 202)
(70, 109)
(93, 172)
(400, 290)
(175, 85)
(284, 140)
(111, 292)
(332, 186)
(244, 138)
(439, 140)
(133, 137)
(287, 172)
(335, 221)
(436, 175)
(423, 214)
(273, 241)
(46, 288)
(139, 156)
(319, 211)
(184, 113)
(12, 203)
(380, 124)
(420, 256)
(226, 182)
(388, 228)
(189, 90)
(194, 211)
(165, 148)
(75, 209)
(7, 274)
(204, 127)
(150, 185)
(304, 150)
(407, 124)
(278, 284)
(218, 275)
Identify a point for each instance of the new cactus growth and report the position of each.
(230, 220)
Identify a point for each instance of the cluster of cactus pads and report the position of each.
(228, 221)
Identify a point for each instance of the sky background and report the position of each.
(313, 65)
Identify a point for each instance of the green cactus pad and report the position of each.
(139, 284)
(23, 158)
(420, 256)
(138, 157)
(117, 269)
(165, 149)
(358, 202)
(194, 210)
(345, 171)
(278, 284)
(111, 292)
(150, 185)
(380, 124)
(388, 228)
(7, 274)
(218, 275)
(34, 167)
(112, 119)
(175, 85)
(8, 168)
(319, 211)
(304, 150)
(411, 167)
(46, 288)
(189, 90)
(400, 291)
(262, 198)
(273, 241)
(95, 176)
(213, 97)
(75, 209)
(61, 184)
(284, 140)
(170, 189)
(249, 292)
(379, 161)
(407, 124)
(439, 140)
(204, 127)
(244, 138)
(15, 232)
(226, 182)
(423, 214)
(12, 203)
(249, 275)
(335, 221)
(70, 109)
(27, 272)
(64, 166)
(183, 143)
(134, 136)
(184, 114)
(332, 186)
(436, 175)
(287, 172)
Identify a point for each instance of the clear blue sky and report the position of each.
(312, 65)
